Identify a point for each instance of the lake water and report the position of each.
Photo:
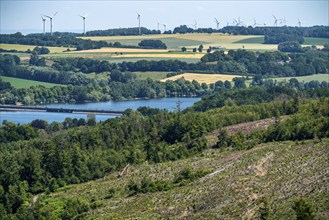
(27, 117)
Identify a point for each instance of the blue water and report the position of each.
(27, 117)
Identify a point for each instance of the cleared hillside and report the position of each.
(238, 184)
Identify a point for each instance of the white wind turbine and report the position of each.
(84, 23)
(44, 24)
(139, 22)
(51, 22)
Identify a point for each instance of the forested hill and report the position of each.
(42, 157)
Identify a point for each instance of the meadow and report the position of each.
(24, 83)
(202, 78)
(318, 77)
(21, 47)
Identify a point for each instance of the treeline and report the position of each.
(121, 32)
(243, 62)
(57, 41)
(276, 63)
(314, 31)
(46, 159)
(264, 91)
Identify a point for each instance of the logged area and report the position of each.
(237, 186)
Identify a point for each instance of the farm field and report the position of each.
(235, 189)
(21, 47)
(319, 77)
(216, 39)
(202, 78)
(24, 83)
(151, 75)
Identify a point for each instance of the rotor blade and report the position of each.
(55, 13)
(85, 15)
(47, 16)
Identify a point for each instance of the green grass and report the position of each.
(24, 83)
(171, 42)
(316, 41)
(131, 59)
(319, 77)
(151, 75)
(281, 171)
(252, 40)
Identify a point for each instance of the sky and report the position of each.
(24, 15)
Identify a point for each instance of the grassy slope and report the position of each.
(24, 83)
(236, 188)
(319, 77)
(228, 41)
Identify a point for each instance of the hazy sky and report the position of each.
(24, 16)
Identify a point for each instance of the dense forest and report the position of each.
(34, 158)
(315, 31)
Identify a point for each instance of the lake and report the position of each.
(27, 117)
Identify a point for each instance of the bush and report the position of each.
(152, 44)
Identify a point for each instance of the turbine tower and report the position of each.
(299, 23)
(84, 23)
(195, 25)
(139, 22)
(44, 24)
(275, 21)
(158, 26)
(165, 27)
(51, 22)
(217, 23)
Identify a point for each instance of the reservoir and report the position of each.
(26, 117)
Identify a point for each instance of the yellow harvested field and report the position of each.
(202, 78)
(120, 50)
(167, 55)
(21, 47)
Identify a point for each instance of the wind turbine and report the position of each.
(299, 23)
(165, 27)
(237, 22)
(51, 22)
(139, 22)
(84, 23)
(158, 26)
(195, 25)
(284, 21)
(44, 24)
(275, 21)
(217, 23)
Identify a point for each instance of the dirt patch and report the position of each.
(260, 168)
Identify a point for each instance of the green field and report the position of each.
(316, 41)
(319, 77)
(171, 42)
(24, 83)
(151, 75)
(253, 40)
